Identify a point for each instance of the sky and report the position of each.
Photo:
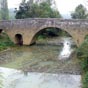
(65, 7)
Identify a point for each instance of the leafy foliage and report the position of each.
(80, 12)
(5, 42)
(85, 80)
(35, 10)
(82, 51)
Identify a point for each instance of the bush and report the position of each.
(5, 42)
(84, 64)
(82, 51)
(82, 54)
(2, 48)
(85, 80)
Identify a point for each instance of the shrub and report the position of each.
(82, 51)
(84, 64)
(5, 42)
(82, 54)
(85, 80)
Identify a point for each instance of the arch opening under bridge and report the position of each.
(19, 39)
(59, 30)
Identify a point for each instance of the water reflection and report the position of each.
(17, 79)
(66, 51)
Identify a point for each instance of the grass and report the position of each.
(5, 41)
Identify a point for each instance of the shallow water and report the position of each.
(44, 65)
(66, 50)
(17, 79)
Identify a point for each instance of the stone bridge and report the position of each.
(25, 30)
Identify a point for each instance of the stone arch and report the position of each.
(33, 38)
(19, 39)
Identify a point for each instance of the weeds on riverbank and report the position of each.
(82, 54)
(85, 80)
(5, 41)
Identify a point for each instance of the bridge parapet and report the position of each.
(36, 22)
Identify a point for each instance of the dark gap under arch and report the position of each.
(43, 32)
(19, 39)
(1, 31)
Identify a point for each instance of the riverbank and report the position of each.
(82, 54)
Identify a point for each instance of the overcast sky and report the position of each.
(64, 6)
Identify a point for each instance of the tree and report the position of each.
(33, 10)
(4, 10)
(80, 12)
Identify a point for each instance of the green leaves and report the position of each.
(37, 10)
(80, 12)
(85, 80)
(5, 42)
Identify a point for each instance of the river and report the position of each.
(48, 64)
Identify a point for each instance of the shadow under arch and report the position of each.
(1, 31)
(34, 38)
(19, 39)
